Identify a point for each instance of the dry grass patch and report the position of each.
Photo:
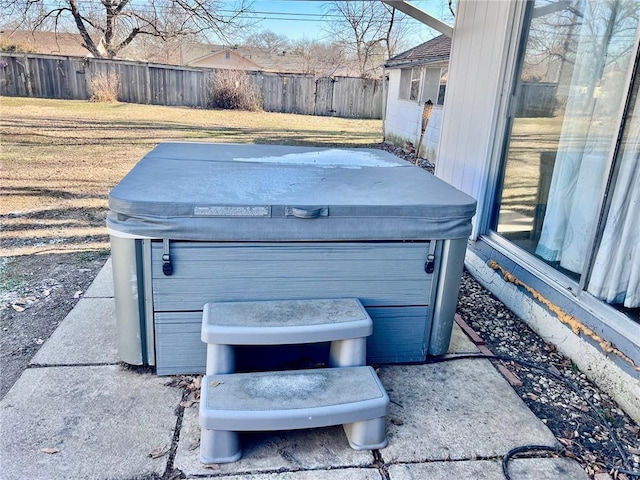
(60, 158)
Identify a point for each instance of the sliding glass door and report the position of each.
(570, 179)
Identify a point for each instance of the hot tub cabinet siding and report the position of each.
(242, 245)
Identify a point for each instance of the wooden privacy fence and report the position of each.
(49, 76)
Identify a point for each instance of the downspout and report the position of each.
(384, 103)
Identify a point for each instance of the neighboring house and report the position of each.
(51, 43)
(71, 45)
(556, 236)
(224, 59)
(417, 76)
(318, 64)
(248, 58)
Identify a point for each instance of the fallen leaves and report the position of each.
(582, 407)
(25, 300)
(21, 304)
(602, 476)
(159, 452)
(565, 441)
(191, 384)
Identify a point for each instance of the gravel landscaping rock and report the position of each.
(567, 414)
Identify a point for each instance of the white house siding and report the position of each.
(429, 148)
(403, 120)
(481, 44)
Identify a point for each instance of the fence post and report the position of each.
(147, 84)
(27, 77)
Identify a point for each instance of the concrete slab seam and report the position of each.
(478, 458)
(214, 474)
(382, 467)
(173, 449)
(56, 365)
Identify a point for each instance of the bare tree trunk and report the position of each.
(89, 44)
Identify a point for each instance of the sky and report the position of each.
(299, 19)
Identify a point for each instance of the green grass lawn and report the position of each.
(60, 158)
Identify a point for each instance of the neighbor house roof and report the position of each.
(248, 58)
(54, 43)
(435, 50)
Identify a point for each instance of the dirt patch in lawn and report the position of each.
(37, 293)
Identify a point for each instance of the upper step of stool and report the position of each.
(284, 322)
(291, 399)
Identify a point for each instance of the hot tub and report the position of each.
(194, 223)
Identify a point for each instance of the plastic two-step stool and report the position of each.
(350, 394)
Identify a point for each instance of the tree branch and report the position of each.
(89, 44)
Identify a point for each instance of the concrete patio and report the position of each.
(77, 413)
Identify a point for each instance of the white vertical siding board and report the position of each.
(500, 49)
(484, 69)
(475, 103)
(452, 138)
(474, 93)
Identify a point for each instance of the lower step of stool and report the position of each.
(290, 400)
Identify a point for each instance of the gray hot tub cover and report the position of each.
(228, 192)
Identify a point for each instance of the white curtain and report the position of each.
(616, 273)
(588, 132)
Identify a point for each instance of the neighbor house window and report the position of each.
(568, 192)
(444, 73)
(431, 85)
(410, 83)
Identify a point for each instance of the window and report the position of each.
(566, 193)
(444, 73)
(410, 83)
(431, 88)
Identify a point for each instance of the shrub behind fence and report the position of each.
(50, 76)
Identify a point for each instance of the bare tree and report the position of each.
(268, 40)
(370, 32)
(108, 26)
(557, 28)
(320, 58)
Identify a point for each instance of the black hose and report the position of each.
(525, 448)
